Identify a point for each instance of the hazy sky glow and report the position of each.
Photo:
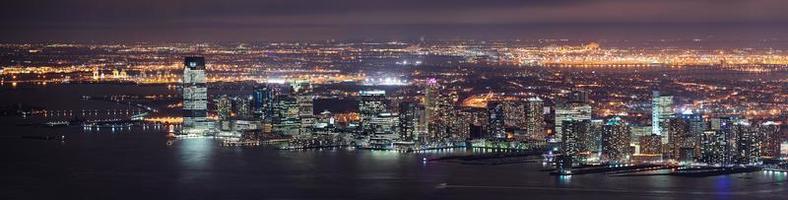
(102, 20)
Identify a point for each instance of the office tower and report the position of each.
(615, 141)
(534, 118)
(694, 121)
(385, 125)
(514, 113)
(430, 107)
(286, 120)
(384, 130)
(650, 144)
(495, 126)
(680, 138)
(371, 103)
(263, 98)
(442, 115)
(696, 126)
(582, 136)
(224, 107)
(661, 111)
(573, 131)
(771, 139)
(573, 111)
(477, 119)
(195, 97)
(594, 141)
(411, 114)
(713, 144)
(748, 147)
(718, 145)
(306, 113)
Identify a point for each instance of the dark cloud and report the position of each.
(151, 19)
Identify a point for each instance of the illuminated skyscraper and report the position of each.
(680, 140)
(570, 111)
(306, 113)
(661, 111)
(263, 99)
(371, 103)
(495, 127)
(410, 121)
(573, 130)
(615, 141)
(534, 118)
(195, 97)
(771, 139)
(440, 110)
(286, 120)
(719, 145)
(696, 127)
(384, 130)
(514, 114)
(650, 144)
(748, 147)
(715, 148)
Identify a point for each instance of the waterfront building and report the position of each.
(570, 111)
(695, 128)
(771, 138)
(514, 113)
(681, 140)
(263, 102)
(573, 130)
(593, 142)
(411, 124)
(615, 141)
(477, 120)
(384, 130)
(534, 118)
(650, 144)
(195, 97)
(714, 145)
(371, 104)
(441, 112)
(286, 120)
(719, 146)
(748, 146)
(306, 113)
(661, 111)
(495, 125)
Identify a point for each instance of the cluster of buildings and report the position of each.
(431, 117)
(676, 137)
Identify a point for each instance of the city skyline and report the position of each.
(379, 99)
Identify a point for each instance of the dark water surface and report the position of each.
(137, 164)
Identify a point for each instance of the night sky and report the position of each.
(266, 20)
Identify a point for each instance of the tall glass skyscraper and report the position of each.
(534, 118)
(195, 97)
(263, 98)
(661, 111)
